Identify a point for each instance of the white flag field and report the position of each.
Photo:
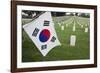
(42, 32)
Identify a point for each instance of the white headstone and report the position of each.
(73, 28)
(72, 40)
(86, 29)
(62, 27)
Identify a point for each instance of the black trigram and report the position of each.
(53, 39)
(46, 23)
(35, 32)
(43, 47)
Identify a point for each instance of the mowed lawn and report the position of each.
(80, 51)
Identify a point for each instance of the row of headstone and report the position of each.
(68, 21)
(86, 29)
(80, 24)
(62, 27)
(73, 38)
(60, 24)
(68, 24)
(74, 26)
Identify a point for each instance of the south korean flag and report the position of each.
(42, 32)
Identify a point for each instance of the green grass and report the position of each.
(30, 53)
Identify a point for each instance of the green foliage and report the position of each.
(85, 15)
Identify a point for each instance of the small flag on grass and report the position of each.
(42, 32)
